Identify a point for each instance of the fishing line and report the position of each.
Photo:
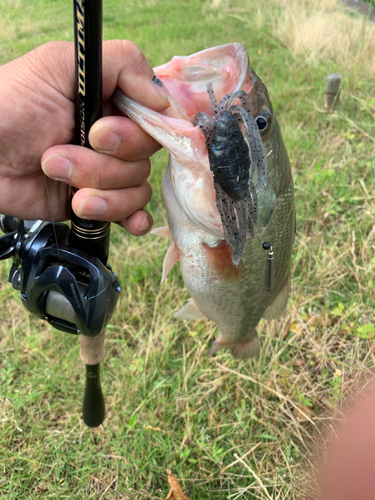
(42, 148)
(258, 234)
(35, 49)
(270, 246)
(232, 98)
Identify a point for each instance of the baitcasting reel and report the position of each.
(72, 290)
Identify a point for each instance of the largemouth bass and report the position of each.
(237, 271)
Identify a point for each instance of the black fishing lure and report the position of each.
(229, 157)
(233, 162)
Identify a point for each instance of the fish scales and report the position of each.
(234, 296)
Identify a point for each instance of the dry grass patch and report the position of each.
(324, 29)
(316, 29)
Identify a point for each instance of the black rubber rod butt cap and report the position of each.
(93, 400)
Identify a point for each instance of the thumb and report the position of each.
(126, 67)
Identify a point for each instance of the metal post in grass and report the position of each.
(332, 94)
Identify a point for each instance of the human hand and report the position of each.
(37, 105)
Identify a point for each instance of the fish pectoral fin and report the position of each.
(163, 231)
(243, 350)
(190, 311)
(171, 257)
(277, 307)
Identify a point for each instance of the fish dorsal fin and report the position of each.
(163, 231)
(171, 257)
(190, 311)
(277, 307)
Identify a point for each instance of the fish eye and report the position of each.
(263, 120)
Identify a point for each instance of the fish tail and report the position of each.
(243, 350)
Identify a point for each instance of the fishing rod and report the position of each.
(62, 271)
(89, 236)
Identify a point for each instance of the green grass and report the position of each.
(168, 405)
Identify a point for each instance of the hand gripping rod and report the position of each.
(62, 272)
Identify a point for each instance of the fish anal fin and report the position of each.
(278, 306)
(243, 350)
(164, 232)
(171, 257)
(190, 311)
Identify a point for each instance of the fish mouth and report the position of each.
(227, 67)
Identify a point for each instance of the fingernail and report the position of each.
(160, 87)
(57, 167)
(91, 207)
(144, 225)
(105, 140)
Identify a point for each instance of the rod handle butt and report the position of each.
(93, 400)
